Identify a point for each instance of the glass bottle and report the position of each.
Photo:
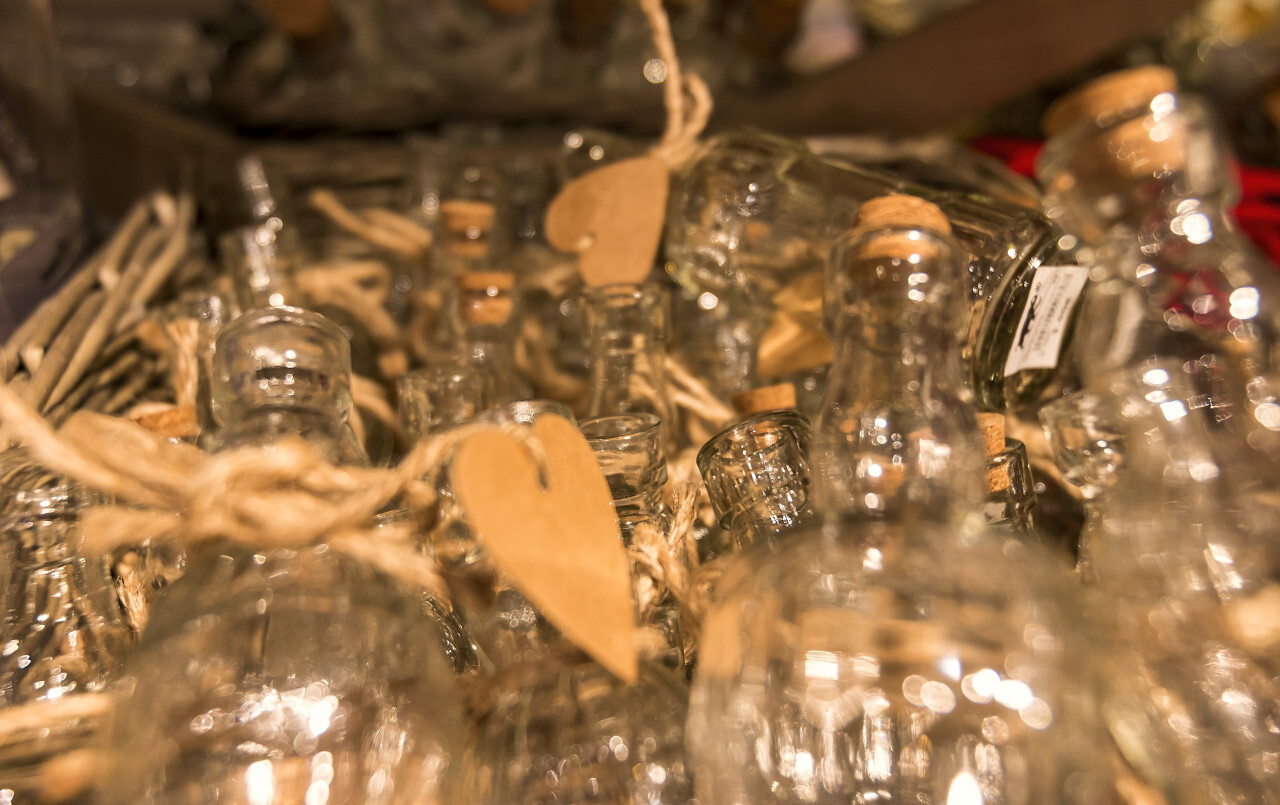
(552, 723)
(757, 478)
(1188, 566)
(627, 329)
(1142, 177)
(754, 215)
(282, 674)
(486, 302)
(433, 399)
(61, 629)
(901, 651)
(632, 453)
(1084, 432)
(890, 414)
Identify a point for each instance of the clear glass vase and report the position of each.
(286, 674)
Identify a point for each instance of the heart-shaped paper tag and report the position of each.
(559, 542)
(612, 219)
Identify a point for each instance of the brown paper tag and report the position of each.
(559, 543)
(612, 219)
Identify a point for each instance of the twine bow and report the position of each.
(284, 497)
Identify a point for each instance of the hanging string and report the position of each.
(685, 123)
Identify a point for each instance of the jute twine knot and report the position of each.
(285, 496)
(667, 566)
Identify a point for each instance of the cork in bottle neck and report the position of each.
(466, 227)
(486, 297)
(897, 211)
(778, 397)
(1108, 95)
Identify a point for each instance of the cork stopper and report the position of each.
(901, 210)
(765, 398)
(466, 226)
(898, 211)
(485, 297)
(1107, 95)
(992, 428)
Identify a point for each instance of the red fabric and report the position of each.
(1258, 211)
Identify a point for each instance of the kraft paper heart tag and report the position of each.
(559, 543)
(612, 219)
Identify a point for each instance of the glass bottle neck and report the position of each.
(628, 376)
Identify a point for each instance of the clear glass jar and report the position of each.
(757, 478)
(288, 673)
(1144, 179)
(627, 328)
(895, 660)
(1187, 564)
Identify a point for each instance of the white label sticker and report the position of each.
(6, 184)
(1054, 292)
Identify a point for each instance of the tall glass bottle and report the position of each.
(1141, 176)
(552, 724)
(281, 674)
(757, 478)
(1188, 564)
(890, 416)
(486, 302)
(627, 329)
(900, 652)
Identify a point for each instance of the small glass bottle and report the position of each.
(632, 453)
(1186, 559)
(1142, 177)
(1088, 447)
(901, 651)
(757, 478)
(62, 630)
(1010, 491)
(627, 330)
(434, 399)
(551, 722)
(486, 304)
(890, 411)
(279, 674)
(62, 634)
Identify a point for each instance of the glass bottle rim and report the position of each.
(292, 315)
(754, 425)
(621, 428)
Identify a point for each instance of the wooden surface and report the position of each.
(967, 62)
